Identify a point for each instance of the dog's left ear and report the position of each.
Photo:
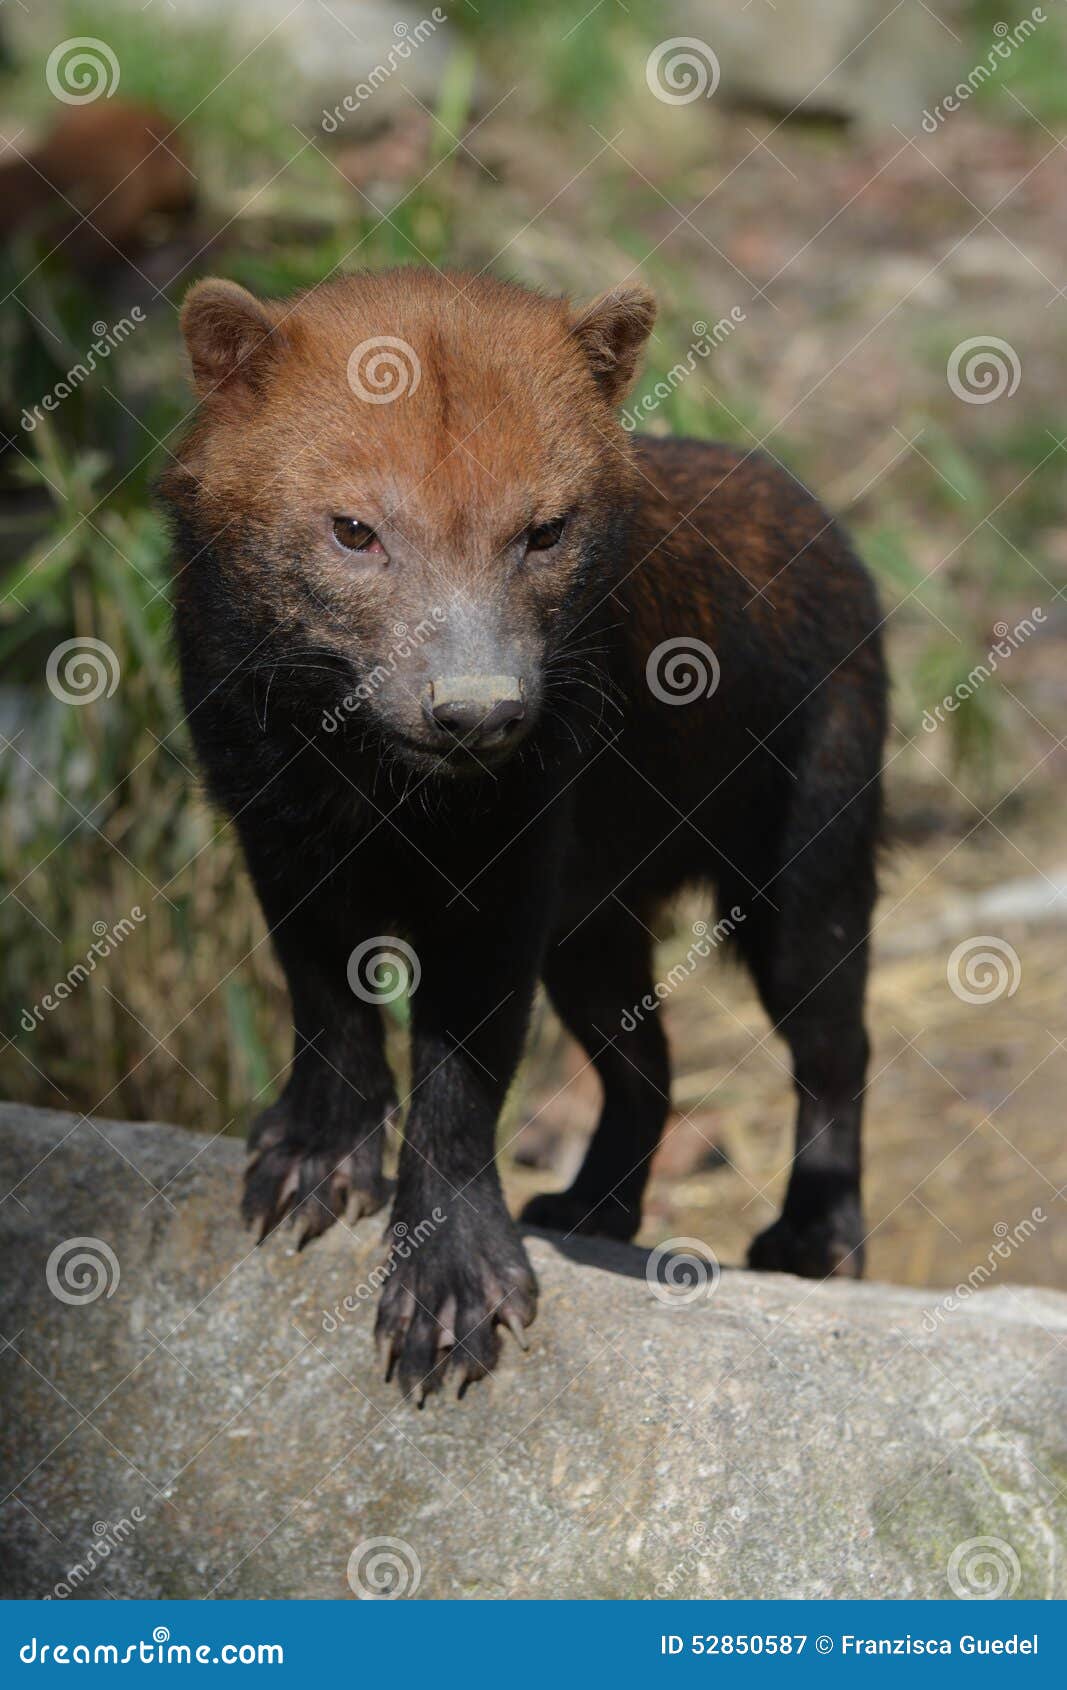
(612, 332)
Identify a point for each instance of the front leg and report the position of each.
(454, 1284)
(317, 1150)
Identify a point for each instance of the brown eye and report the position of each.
(545, 535)
(355, 536)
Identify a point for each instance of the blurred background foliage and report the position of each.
(536, 150)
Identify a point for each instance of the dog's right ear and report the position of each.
(232, 339)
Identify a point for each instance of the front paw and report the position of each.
(448, 1294)
(297, 1174)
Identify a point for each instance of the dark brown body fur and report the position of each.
(543, 853)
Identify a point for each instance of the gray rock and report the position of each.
(864, 60)
(212, 1421)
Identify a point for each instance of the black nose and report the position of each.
(476, 709)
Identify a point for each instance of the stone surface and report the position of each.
(213, 1427)
(867, 61)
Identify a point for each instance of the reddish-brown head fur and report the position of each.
(395, 450)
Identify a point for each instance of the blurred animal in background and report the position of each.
(99, 183)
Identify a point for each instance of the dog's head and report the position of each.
(418, 482)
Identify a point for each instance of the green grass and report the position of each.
(1030, 86)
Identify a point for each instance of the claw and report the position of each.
(387, 1354)
(427, 1386)
(277, 1215)
(446, 1321)
(469, 1374)
(514, 1325)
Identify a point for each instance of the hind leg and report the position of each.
(600, 983)
(820, 1231)
(808, 954)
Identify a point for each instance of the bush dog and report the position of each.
(97, 181)
(483, 678)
